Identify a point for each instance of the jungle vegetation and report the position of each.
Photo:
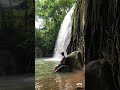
(52, 12)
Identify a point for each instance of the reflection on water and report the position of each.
(25, 82)
(46, 79)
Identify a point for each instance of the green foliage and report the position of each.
(52, 12)
(17, 27)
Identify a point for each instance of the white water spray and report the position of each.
(64, 35)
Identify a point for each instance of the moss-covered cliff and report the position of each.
(95, 33)
(77, 42)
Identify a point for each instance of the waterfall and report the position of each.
(64, 35)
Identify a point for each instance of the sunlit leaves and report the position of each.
(52, 12)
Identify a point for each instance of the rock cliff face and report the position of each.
(102, 37)
(96, 35)
(77, 42)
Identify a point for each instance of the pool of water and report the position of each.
(46, 79)
(23, 82)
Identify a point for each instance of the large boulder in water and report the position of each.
(72, 62)
(98, 75)
(74, 59)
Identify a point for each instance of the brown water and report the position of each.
(46, 79)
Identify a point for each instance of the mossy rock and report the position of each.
(74, 59)
(72, 62)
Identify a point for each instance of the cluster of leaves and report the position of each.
(52, 12)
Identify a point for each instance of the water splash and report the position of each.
(64, 35)
(52, 59)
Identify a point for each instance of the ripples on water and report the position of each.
(46, 79)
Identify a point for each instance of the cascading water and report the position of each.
(64, 35)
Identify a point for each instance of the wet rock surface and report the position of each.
(72, 62)
(63, 68)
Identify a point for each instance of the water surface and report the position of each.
(46, 79)
(17, 82)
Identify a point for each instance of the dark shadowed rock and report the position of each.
(98, 75)
(7, 64)
(63, 68)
